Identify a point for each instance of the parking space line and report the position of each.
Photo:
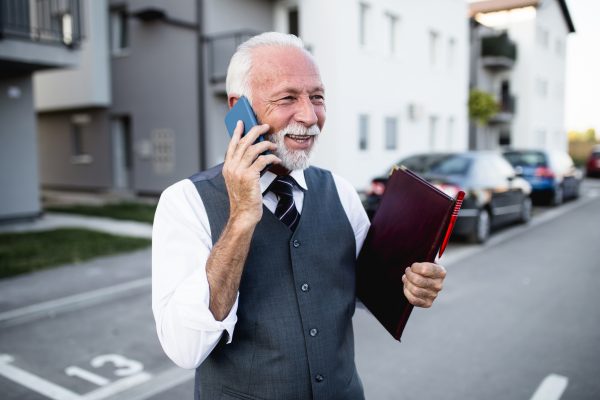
(551, 388)
(160, 383)
(117, 387)
(34, 382)
(28, 313)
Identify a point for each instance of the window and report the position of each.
(450, 137)
(79, 124)
(363, 132)
(363, 10)
(433, 122)
(119, 31)
(543, 37)
(434, 38)
(451, 50)
(541, 87)
(391, 133)
(393, 32)
(293, 21)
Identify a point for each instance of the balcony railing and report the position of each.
(506, 111)
(220, 48)
(498, 51)
(50, 21)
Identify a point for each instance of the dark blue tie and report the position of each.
(286, 210)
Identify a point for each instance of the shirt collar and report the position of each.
(268, 177)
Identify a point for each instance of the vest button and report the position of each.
(305, 287)
(296, 243)
(313, 332)
(319, 378)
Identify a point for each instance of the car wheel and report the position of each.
(526, 208)
(577, 192)
(558, 196)
(481, 232)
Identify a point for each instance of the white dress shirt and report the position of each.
(181, 244)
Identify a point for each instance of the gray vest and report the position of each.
(293, 338)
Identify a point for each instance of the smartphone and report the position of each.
(242, 110)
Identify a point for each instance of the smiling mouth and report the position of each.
(300, 138)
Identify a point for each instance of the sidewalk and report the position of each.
(53, 220)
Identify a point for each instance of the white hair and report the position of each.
(240, 66)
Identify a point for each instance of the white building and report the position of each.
(539, 29)
(396, 78)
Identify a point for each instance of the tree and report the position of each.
(482, 106)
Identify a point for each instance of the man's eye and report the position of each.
(317, 99)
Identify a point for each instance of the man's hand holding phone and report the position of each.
(243, 164)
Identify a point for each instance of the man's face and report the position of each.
(287, 94)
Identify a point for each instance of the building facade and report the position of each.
(396, 78)
(34, 35)
(518, 54)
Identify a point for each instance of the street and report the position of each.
(518, 319)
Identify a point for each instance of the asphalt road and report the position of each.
(517, 312)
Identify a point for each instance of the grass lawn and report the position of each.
(26, 252)
(128, 211)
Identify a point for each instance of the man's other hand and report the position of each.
(422, 283)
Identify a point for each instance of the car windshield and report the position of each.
(456, 165)
(422, 163)
(526, 159)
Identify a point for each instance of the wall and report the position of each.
(155, 83)
(59, 167)
(19, 196)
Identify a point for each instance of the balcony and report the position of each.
(219, 50)
(498, 52)
(507, 106)
(57, 22)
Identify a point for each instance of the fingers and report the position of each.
(235, 139)
(248, 140)
(422, 283)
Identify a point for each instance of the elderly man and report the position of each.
(254, 270)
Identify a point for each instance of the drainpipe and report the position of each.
(202, 153)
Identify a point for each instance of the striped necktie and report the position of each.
(286, 210)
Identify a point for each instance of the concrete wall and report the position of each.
(19, 196)
(155, 83)
(59, 166)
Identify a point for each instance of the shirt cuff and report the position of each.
(191, 300)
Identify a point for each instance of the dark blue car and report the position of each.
(552, 174)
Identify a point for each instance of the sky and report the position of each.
(582, 105)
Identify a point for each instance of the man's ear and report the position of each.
(231, 100)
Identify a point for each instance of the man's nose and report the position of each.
(306, 114)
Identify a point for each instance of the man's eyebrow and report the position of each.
(291, 90)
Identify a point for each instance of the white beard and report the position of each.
(294, 159)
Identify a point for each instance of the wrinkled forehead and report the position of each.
(272, 66)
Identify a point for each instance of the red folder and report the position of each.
(412, 221)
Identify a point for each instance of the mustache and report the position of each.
(298, 129)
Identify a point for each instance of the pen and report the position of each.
(459, 199)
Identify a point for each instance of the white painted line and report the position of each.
(34, 382)
(117, 386)
(86, 375)
(159, 384)
(551, 388)
(33, 311)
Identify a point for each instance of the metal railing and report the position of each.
(220, 48)
(498, 46)
(50, 21)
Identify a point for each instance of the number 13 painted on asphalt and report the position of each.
(123, 367)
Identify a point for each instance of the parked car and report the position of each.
(592, 166)
(552, 174)
(495, 195)
(418, 163)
